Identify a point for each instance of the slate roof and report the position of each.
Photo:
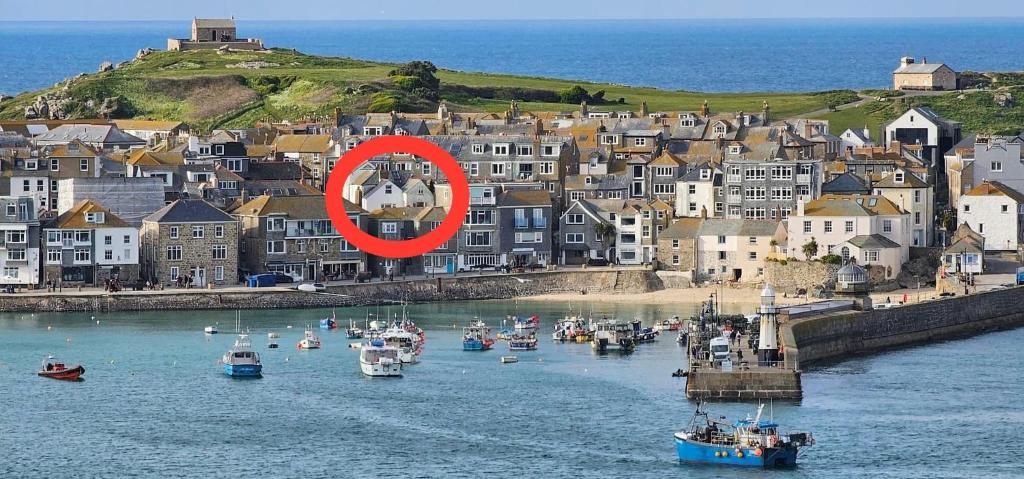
(872, 242)
(966, 240)
(535, 198)
(852, 205)
(294, 207)
(910, 180)
(920, 68)
(189, 211)
(302, 143)
(89, 134)
(682, 228)
(846, 183)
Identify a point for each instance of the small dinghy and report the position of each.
(55, 369)
(210, 330)
(509, 359)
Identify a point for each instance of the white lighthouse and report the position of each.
(768, 343)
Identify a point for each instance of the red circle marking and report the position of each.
(397, 248)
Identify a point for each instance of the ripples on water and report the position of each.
(155, 404)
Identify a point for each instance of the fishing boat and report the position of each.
(612, 335)
(670, 324)
(505, 334)
(272, 338)
(748, 442)
(523, 343)
(329, 323)
(54, 369)
(642, 334)
(406, 342)
(309, 341)
(526, 324)
(475, 337)
(377, 359)
(353, 331)
(241, 361)
(570, 328)
(210, 330)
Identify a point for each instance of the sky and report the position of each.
(21, 10)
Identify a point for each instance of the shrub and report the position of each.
(576, 94)
(383, 103)
(832, 259)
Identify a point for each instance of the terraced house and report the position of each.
(89, 245)
(525, 227)
(190, 239)
(19, 241)
(294, 235)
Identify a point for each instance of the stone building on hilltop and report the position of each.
(213, 34)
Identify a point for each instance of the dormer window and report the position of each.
(720, 129)
(373, 130)
(688, 122)
(705, 174)
(640, 141)
(550, 150)
(609, 140)
(524, 150)
(898, 177)
(96, 218)
(204, 150)
(501, 149)
(351, 144)
(623, 115)
(587, 180)
(478, 148)
(219, 150)
(735, 149)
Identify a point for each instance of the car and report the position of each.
(283, 278)
(312, 287)
(597, 262)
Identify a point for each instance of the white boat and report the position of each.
(272, 340)
(377, 359)
(210, 330)
(509, 359)
(611, 335)
(310, 341)
(406, 342)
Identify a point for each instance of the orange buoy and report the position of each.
(758, 452)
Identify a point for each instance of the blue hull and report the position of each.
(698, 453)
(243, 370)
(474, 346)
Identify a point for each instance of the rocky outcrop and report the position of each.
(60, 105)
(143, 53)
(105, 67)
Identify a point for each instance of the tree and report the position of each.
(810, 248)
(574, 95)
(417, 77)
(606, 232)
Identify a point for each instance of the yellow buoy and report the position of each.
(739, 454)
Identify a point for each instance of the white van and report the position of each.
(720, 348)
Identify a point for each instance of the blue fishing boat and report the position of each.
(241, 360)
(329, 323)
(748, 442)
(475, 337)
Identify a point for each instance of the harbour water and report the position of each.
(155, 403)
(701, 55)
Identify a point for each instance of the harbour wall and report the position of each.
(458, 288)
(751, 384)
(842, 334)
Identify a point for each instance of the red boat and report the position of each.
(57, 370)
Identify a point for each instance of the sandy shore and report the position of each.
(727, 294)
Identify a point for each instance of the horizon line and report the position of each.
(365, 18)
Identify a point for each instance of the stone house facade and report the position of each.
(90, 245)
(190, 238)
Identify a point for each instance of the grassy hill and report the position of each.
(207, 89)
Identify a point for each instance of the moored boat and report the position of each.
(272, 338)
(406, 342)
(377, 359)
(309, 341)
(329, 323)
(241, 361)
(571, 328)
(353, 331)
(55, 369)
(670, 324)
(748, 442)
(210, 330)
(526, 324)
(475, 337)
(612, 335)
(523, 343)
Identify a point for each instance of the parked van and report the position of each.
(720, 348)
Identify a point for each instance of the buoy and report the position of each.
(463, 371)
(289, 326)
(540, 360)
(739, 454)
(725, 453)
(718, 454)
(758, 452)
(92, 317)
(49, 328)
(68, 339)
(286, 359)
(97, 321)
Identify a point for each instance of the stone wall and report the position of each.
(858, 332)
(794, 275)
(743, 385)
(439, 289)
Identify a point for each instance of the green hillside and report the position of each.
(208, 89)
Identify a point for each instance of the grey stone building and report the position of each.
(190, 239)
(768, 189)
(294, 235)
(525, 227)
(578, 238)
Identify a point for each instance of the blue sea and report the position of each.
(155, 403)
(697, 55)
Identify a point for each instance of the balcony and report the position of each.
(734, 199)
(803, 179)
(733, 178)
(482, 201)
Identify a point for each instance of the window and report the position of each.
(389, 228)
(535, 237)
(83, 164)
(547, 168)
(664, 188)
(426, 168)
(887, 226)
(782, 172)
(870, 256)
(198, 232)
(755, 193)
(752, 255)
(173, 232)
(917, 196)
(233, 164)
(752, 240)
(574, 219)
(478, 238)
(828, 226)
(539, 221)
(520, 218)
(108, 240)
(675, 260)
(574, 237)
(721, 239)
(127, 239)
(497, 169)
(640, 142)
(15, 237)
(550, 150)
(218, 231)
(755, 213)
(997, 166)
(53, 256)
(325, 246)
(609, 140)
(478, 148)
(275, 224)
(722, 255)
(981, 228)
(275, 247)
(967, 209)
(220, 251)
(692, 207)
(219, 150)
(755, 173)
(227, 185)
(108, 255)
(848, 227)
(646, 231)
(500, 150)
(16, 254)
(917, 217)
(782, 193)
(174, 253)
(524, 150)
(218, 273)
(54, 165)
(474, 169)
